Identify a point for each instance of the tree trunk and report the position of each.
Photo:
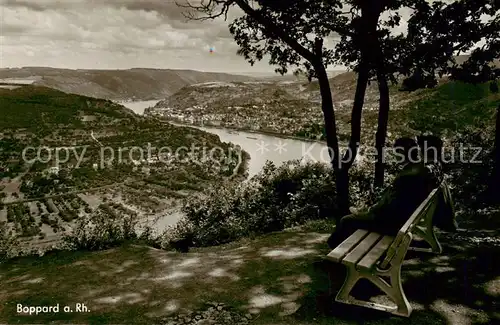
(341, 165)
(357, 110)
(341, 180)
(495, 188)
(342, 187)
(365, 38)
(328, 115)
(383, 118)
(497, 142)
(342, 175)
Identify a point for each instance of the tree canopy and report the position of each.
(367, 36)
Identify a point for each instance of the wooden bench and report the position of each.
(374, 257)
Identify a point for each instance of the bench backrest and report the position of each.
(428, 206)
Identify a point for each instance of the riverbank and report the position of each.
(232, 128)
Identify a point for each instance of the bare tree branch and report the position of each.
(211, 8)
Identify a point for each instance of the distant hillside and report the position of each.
(37, 108)
(139, 84)
(265, 94)
(294, 107)
(287, 77)
(218, 94)
(281, 107)
(41, 116)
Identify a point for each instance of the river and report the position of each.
(139, 106)
(261, 147)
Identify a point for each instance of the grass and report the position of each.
(134, 284)
(278, 278)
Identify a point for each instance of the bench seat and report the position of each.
(378, 257)
(362, 249)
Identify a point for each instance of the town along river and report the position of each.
(261, 147)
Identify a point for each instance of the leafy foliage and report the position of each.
(40, 108)
(101, 231)
(304, 21)
(453, 107)
(439, 30)
(275, 199)
(8, 242)
(472, 177)
(290, 195)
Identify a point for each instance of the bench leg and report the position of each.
(393, 289)
(429, 235)
(426, 230)
(351, 279)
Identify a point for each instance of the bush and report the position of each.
(98, 232)
(11, 215)
(320, 226)
(8, 242)
(65, 216)
(45, 219)
(471, 179)
(275, 199)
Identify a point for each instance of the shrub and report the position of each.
(45, 219)
(471, 179)
(275, 199)
(65, 215)
(75, 205)
(320, 226)
(98, 232)
(8, 242)
(11, 215)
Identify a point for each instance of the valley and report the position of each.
(131, 84)
(91, 155)
(286, 108)
(64, 157)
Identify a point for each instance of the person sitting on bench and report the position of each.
(407, 192)
(431, 148)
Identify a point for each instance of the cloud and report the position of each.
(107, 33)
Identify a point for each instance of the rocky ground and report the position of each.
(213, 313)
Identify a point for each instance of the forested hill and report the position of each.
(137, 84)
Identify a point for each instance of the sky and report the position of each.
(115, 34)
